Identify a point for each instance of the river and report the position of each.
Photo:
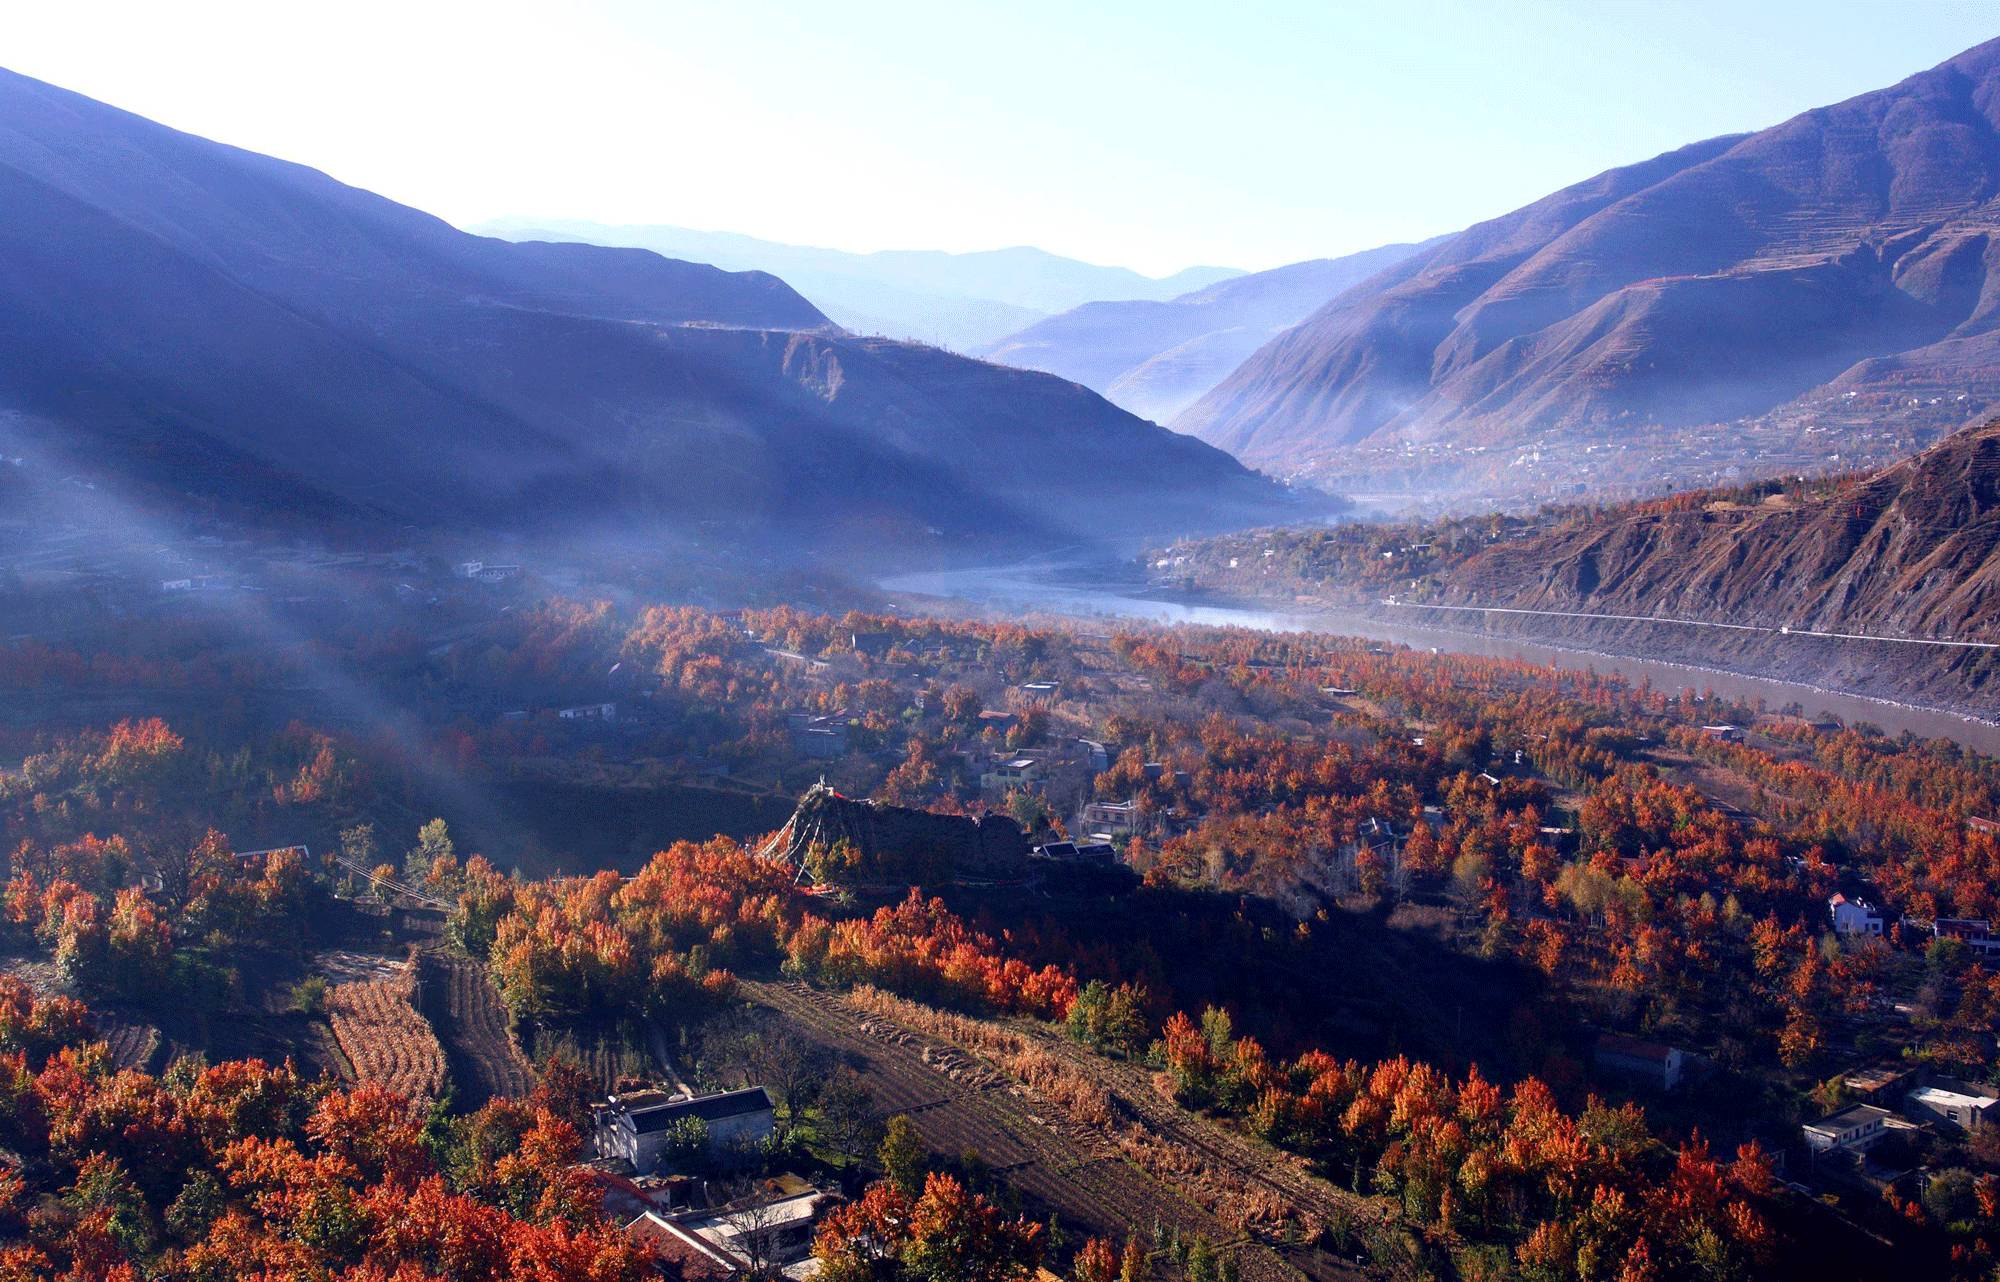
(1088, 591)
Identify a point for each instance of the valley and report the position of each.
(582, 748)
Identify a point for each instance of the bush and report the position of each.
(309, 995)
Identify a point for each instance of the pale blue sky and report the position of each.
(1154, 135)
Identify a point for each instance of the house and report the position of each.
(1041, 691)
(1852, 1129)
(1976, 934)
(1000, 721)
(1097, 754)
(1012, 773)
(823, 738)
(637, 1124)
(1654, 1064)
(682, 1254)
(872, 644)
(762, 1234)
(1959, 1112)
(1854, 916)
(589, 712)
(1071, 852)
(1882, 1084)
(1728, 734)
(1114, 817)
(1987, 826)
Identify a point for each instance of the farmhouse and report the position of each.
(1854, 916)
(1851, 1130)
(1024, 773)
(1959, 1112)
(1655, 1064)
(1116, 818)
(637, 1125)
(1977, 935)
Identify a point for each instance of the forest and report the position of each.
(1372, 914)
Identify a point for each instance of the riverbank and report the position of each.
(1103, 593)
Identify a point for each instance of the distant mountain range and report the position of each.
(1157, 358)
(1779, 300)
(958, 301)
(202, 321)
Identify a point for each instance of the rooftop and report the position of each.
(1875, 1077)
(1632, 1047)
(1851, 1118)
(657, 1114)
(1952, 1099)
(731, 1224)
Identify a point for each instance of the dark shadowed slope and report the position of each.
(205, 320)
(1756, 279)
(1157, 358)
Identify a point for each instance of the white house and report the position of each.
(1852, 1129)
(1854, 916)
(637, 1125)
(1956, 1111)
(1655, 1064)
(1114, 817)
(590, 712)
(1024, 773)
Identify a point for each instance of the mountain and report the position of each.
(205, 321)
(1910, 550)
(1156, 358)
(1774, 300)
(959, 301)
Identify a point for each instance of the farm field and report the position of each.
(961, 1103)
(385, 1041)
(458, 999)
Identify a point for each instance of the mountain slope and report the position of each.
(203, 320)
(960, 301)
(1156, 358)
(1754, 280)
(1911, 550)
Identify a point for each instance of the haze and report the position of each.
(1285, 131)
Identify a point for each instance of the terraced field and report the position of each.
(457, 996)
(383, 1037)
(960, 1102)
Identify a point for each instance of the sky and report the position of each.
(1153, 135)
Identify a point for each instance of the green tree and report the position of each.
(686, 1142)
(904, 1158)
(433, 843)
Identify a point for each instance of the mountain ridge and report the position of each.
(956, 300)
(1753, 279)
(1157, 357)
(236, 329)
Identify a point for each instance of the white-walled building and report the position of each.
(1852, 1129)
(637, 1125)
(1854, 916)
